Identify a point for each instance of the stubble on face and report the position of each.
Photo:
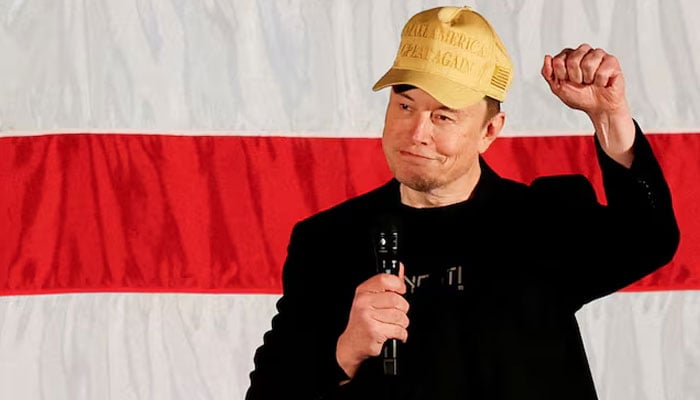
(422, 184)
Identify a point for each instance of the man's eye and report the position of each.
(403, 106)
(444, 118)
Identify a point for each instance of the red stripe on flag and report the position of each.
(213, 214)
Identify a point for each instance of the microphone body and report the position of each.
(388, 262)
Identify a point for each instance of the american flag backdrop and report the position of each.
(154, 155)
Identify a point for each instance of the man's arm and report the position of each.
(321, 333)
(591, 80)
(297, 358)
(636, 232)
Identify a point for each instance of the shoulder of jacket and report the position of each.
(563, 189)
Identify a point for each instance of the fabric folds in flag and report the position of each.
(154, 156)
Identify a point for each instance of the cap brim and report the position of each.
(446, 91)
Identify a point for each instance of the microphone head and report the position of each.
(386, 243)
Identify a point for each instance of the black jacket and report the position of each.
(531, 256)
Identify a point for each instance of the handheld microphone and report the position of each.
(387, 248)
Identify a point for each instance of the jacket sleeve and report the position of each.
(297, 357)
(600, 248)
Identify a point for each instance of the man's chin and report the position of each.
(419, 183)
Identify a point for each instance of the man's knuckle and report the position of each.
(572, 62)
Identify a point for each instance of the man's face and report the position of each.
(429, 146)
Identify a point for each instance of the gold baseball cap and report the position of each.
(452, 53)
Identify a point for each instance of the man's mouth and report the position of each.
(411, 154)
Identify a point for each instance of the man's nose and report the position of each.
(421, 128)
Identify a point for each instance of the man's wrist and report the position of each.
(615, 132)
(345, 362)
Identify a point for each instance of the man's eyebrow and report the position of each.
(452, 110)
(406, 96)
(444, 108)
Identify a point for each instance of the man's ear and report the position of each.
(491, 130)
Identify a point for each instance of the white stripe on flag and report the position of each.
(187, 346)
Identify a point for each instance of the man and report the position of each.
(492, 271)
